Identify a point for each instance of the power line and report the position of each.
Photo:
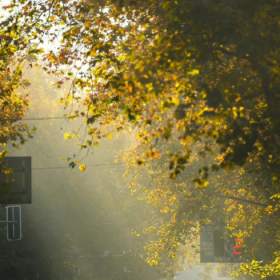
(48, 118)
(59, 167)
(37, 119)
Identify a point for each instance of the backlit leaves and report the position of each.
(211, 67)
(82, 167)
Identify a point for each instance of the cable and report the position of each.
(37, 168)
(36, 119)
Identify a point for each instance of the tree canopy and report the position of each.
(76, 214)
(206, 72)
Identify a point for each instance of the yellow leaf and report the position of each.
(156, 155)
(66, 135)
(87, 24)
(130, 88)
(193, 72)
(93, 53)
(125, 173)
(206, 183)
(82, 167)
(175, 100)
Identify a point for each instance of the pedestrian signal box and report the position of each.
(15, 187)
(215, 247)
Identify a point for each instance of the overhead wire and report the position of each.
(48, 118)
(102, 164)
(60, 167)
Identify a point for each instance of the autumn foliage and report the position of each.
(199, 77)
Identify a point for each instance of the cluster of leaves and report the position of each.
(13, 104)
(241, 198)
(104, 222)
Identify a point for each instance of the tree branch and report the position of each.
(249, 201)
(224, 51)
